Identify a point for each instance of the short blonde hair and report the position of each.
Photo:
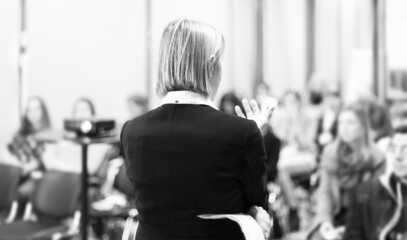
(189, 53)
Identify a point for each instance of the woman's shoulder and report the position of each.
(196, 113)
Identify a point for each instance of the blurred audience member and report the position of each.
(228, 102)
(398, 114)
(263, 93)
(378, 209)
(25, 150)
(109, 197)
(83, 109)
(352, 159)
(298, 153)
(327, 123)
(291, 124)
(380, 121)
(137, 105)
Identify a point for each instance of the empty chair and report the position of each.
(9, 178)
(54, 201)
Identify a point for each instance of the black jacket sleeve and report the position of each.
(121, 139)
(254, 173)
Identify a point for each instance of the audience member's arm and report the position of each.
(324, 205)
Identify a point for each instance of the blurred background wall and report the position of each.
(9, 28)
(107, 50)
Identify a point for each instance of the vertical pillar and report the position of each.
(310, 38)
(259, 46)
(22, 58)
(148, 52)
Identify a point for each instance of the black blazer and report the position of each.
(185, 160)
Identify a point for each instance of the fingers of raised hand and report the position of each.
(255, 107)
(239, 112)
(247, 108)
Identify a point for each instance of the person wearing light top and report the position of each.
(185, 158)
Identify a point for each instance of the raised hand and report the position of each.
(261, 115)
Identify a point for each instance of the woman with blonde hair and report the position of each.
(352, 159)
(185, 158)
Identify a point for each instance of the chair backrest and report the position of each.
(123, 184)
(57, 194)
(9, 178)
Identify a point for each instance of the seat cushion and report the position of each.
(30, 230)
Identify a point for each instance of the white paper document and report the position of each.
(251, 230)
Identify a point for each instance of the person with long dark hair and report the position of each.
(26, 149)
(346, 163)
(378, 208)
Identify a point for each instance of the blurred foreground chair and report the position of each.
(118, 206)
(10, 176)
(51, 214)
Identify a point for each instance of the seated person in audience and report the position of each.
(327, 123)
(65, 155)
(83, 109)
(378, 209)
(137, 105)
(298, 152)
(109, 196)
(398, 113)
(24, 149)
(350, 160)
(380, 120)
(228, 102)
(398, 117)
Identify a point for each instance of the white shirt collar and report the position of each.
(187, 97)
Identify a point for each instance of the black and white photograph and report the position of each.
(203, 120)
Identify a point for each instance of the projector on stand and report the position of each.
(94, 128)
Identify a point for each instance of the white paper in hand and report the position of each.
(251, 230)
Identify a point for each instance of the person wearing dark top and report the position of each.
(272, 145)
(185, 158)
(378, 209)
